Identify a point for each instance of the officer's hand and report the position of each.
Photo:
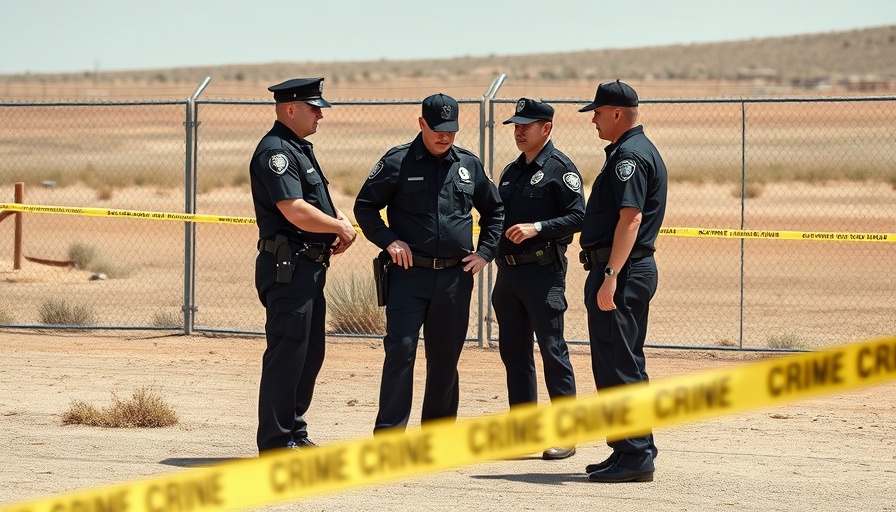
(519, 232)
(605, 294)
(401, 254)
(347, 236)
(474, 263)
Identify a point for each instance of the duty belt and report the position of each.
(318, 253)
(602, 255)
(435, 263)
(519, 259)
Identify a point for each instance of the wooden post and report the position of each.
(17, 251)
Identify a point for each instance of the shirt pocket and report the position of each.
(463, 196)
(413, 197)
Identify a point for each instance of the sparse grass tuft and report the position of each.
(5, 318)
(751, 191)
(351, 307)
(81, 255)
(146, 408)
(105, 193)
(60, 312)
(167, 319)
(112, 270)
(784, 341)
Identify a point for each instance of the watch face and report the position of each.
(609, 271)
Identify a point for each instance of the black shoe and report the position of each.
(616, 474)
(558, 452)
(302, 442)
(609, 461)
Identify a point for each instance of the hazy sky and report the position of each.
(86, 35)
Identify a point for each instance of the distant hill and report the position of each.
(863, 60)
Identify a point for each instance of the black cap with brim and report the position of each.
(615, 94)
(440, 113)
(528, 111)
(309, 90)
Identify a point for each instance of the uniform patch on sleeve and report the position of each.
(572, 181)
(625, 169)
(376, 170)
(278, 163)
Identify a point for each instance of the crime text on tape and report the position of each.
(613, 413)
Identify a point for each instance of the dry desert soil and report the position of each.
(836, 452)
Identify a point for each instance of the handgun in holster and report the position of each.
(586, 262)
(286, 259)
(381, 265)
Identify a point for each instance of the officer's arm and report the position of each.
(624, 236)
(569, 194)
(308, 218)
(375, 195)
(488, 203)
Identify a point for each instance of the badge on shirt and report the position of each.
(278, 163)
(536, 178)
(464, 174)
(572, 181)
(376, 170)
(625, 169)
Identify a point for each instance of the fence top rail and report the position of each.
(91, 103)
(333, 102)
(805, 99)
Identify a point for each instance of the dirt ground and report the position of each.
(826, 454)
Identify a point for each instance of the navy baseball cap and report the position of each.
(308, 90)
(529, 111)
(440, 113)
(615, 94)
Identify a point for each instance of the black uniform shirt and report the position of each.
(430, 202)
(283, 167)
(633, 175)
(547, 190)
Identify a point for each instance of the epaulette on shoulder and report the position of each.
(465, 151)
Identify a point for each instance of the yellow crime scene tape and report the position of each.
(619, 412)
(683, 232)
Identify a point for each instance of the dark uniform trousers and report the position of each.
(617, 339)
(295, 332)
(527, 299)
(438, 300)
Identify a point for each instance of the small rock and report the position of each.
(98, 277)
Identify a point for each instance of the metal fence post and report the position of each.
(487, 123)
(192, 128)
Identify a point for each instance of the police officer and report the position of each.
(429, 187)
(299, 229)
(622, 220)
(543, 208)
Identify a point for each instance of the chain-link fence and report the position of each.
(807, 165)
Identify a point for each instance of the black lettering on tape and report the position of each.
(185, 495)
(873, 361)
(581, 419)
(699, 397)
(806, 374)
(395, 454)
(116, 501)
(319, 466)
(499, 434)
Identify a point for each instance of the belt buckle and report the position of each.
(438, 264)
(510, 259)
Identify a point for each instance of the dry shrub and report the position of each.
(145, 409)
(167, 319)
(105, 193)
(81, 255)
(351, 306)
(60, 312)
(5, 318)
(784, 341)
